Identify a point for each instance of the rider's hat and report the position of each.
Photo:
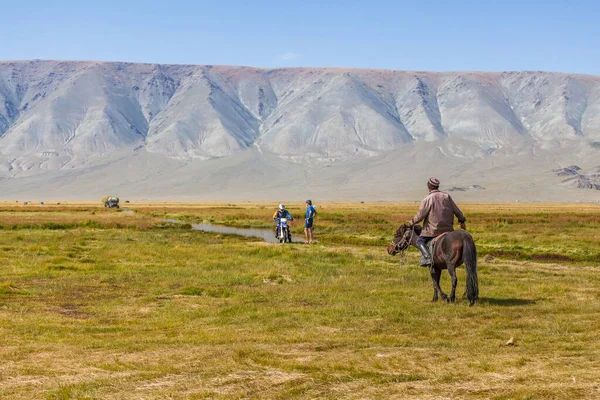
(309, 202)
(433, 183)
(282, 207)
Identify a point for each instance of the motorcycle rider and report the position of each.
(281, 212)
(438, 210)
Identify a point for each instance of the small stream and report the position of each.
(268, 235)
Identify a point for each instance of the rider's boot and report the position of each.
(426, 259)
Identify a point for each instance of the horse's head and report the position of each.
(402, 239)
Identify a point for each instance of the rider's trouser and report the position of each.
(422, 246)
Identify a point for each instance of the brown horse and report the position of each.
(450, 251)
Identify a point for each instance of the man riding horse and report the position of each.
(438, 210)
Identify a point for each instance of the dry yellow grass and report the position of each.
(124, 307)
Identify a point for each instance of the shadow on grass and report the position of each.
(506, 302)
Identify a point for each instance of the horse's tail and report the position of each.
(470, 261)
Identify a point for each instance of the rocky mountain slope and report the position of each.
(59, 120)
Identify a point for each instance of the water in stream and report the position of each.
(266, 234)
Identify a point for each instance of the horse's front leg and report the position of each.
(452, 272)
(435, 277)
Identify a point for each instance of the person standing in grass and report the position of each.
(308, 222)
(438, 210)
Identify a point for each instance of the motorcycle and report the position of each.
(283, 231)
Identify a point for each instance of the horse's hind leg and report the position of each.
(452, 272)
(435, 277)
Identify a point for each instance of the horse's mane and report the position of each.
(402, 229)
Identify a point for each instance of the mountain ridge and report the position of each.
(304, 67)
(77, 115)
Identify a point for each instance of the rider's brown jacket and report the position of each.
(438, 210)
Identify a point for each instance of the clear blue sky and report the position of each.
(447, 35)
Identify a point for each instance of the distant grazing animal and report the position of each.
(450, 251)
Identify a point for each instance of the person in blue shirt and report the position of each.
(308, 222)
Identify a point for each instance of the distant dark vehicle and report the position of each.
(110, 202)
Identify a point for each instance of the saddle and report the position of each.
(431, 246)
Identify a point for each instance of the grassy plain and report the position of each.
(100, 304)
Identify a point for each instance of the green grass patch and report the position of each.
(192, 291)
